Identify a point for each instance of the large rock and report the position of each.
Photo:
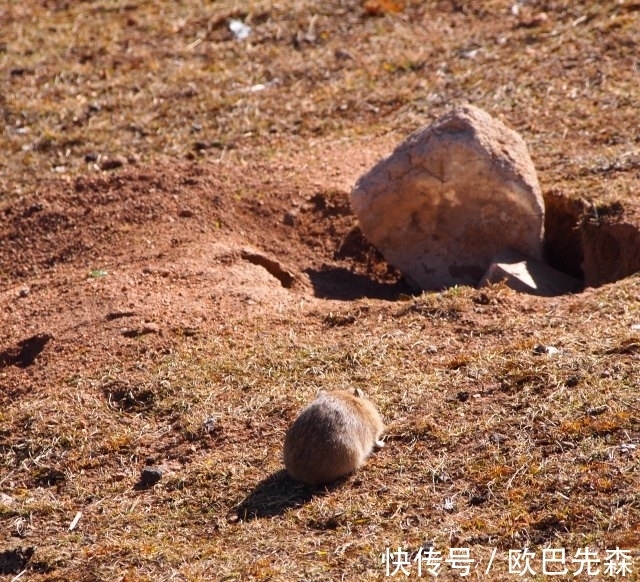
(450, 197)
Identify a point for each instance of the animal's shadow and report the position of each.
(278, 493)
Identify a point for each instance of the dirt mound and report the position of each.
(176, 245)
(217, 234)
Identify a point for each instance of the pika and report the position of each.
(332, 437)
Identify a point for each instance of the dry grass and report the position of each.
(493, 440)
(532, 449)
(87, 81)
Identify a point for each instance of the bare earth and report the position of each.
(180, 272)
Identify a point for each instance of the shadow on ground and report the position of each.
(340, 283)
(278, 493)
(25, 353)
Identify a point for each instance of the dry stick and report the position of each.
(75, 521)
(518, 472)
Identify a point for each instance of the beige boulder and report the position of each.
(450, 197)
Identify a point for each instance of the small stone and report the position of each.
(118, 314)
(150, 327)
(190, 331)
(147, 328)
(498, 438)
(24, 291)
(210, 425)
(33, 208)
(598, 410)
(239, 29)
(156, 271)
(112, 163)
(290, 218)
(185, 213)
(546, 350)
(526, 275)
(6, 499)
(150, 476)
(343, 54)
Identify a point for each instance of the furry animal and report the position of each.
(332, 437)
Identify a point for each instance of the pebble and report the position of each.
(498, 438)
(156, 271)
(112, 163)
(6, 499)
(150, 327)
(290, 218)
(597, 410)
(548, 350)
(210, 425)
(150, 476)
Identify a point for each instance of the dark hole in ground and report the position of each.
(14, 561)
(597, 243)
(561, 239)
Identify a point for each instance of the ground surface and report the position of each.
(180, 272)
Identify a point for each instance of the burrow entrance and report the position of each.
(598, 244)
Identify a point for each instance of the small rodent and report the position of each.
(332, 437)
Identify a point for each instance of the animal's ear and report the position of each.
(357, 392)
